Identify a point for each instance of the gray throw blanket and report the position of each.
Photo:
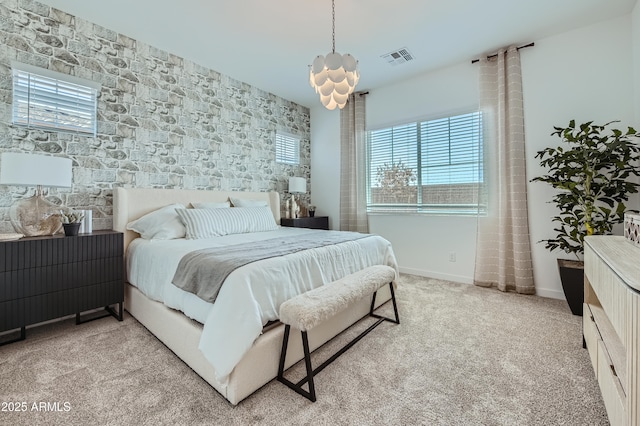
(202, 272)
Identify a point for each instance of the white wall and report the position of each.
(325, 163)
(635, 37)
(585, 74)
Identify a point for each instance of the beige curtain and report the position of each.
(353, 201)
(503, 248)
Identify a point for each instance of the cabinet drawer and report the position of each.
(11, 315)
(37, 252)
(61, 303)
(591, 335)
(612, 393)
(317, 222)
(8, 286)
(610, 290)
(99, 295)
(49, 279)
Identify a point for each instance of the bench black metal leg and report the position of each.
(283, 352)
(395, 307)
(307, 363)
(342, 350)
(311, 394)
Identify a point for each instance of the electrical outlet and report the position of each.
(452, 256)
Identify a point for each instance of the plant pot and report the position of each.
(572, 278)
(71, 229)
(312, 213)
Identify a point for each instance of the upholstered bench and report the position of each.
(309, 309)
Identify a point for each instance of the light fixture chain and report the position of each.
(335, 76)
(333, 34)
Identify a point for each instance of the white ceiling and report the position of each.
(270, 43)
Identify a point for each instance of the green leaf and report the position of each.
(591, 171)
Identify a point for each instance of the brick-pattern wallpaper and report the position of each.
(163, 121)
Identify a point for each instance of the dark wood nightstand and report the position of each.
(316, 222)
(43, 278)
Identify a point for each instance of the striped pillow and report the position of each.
(207, 223)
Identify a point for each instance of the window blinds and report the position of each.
(52, 101)
(427, 166)
(451, 150)
(287, 148)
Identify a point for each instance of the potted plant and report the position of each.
(591, 172)
(71, 220)
(312, 210)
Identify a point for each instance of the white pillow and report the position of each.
(207, 223)
(246, 202)
(161, 224)
(211, 205)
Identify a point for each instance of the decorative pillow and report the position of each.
(245, 202)
(161, 224)
(207, 223)
(211, 205)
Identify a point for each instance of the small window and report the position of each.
(53, 101)
(287, 148)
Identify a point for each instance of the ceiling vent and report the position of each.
(398, 57)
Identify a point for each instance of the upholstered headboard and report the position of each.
(131, 203)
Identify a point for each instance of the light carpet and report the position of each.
(462, 355)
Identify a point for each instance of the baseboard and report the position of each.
(542, 292)
(551, 294)
(437, 275)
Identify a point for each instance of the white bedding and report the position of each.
(251, 295)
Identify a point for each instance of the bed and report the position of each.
(177, 317)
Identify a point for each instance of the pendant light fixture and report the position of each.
(335, 76)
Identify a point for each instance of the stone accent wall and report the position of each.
(164, 121)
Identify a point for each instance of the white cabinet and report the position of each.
(611, 323)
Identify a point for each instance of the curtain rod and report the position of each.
(495, 54)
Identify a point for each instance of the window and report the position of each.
(430, 166)
(53, 101)
(287, 148)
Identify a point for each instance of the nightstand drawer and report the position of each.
(11, 314)
(38, 252)
(317, 222)
(34, 281)
(61, 303)
(8, 285)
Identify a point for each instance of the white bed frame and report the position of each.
(181, 334)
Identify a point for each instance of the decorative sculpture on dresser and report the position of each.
(295, 209)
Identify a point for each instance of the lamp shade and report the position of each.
(297, 185)
(33, 170)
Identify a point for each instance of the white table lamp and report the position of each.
(297, 185)
(35, 215)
